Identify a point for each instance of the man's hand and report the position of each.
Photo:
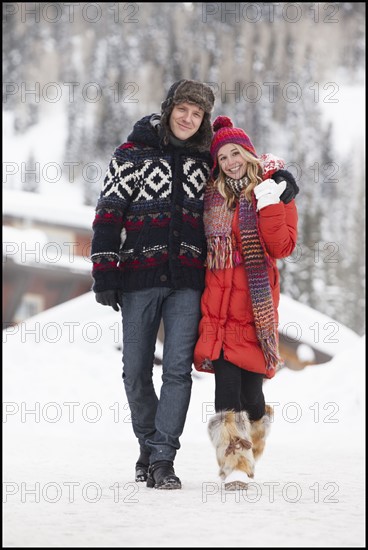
(109, 298)
(291, 190)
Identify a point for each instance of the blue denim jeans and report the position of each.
(158, 423)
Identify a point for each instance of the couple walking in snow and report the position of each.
(188, 227)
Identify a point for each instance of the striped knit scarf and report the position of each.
(222, 254)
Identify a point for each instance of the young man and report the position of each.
(148, 253)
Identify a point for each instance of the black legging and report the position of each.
(238, 389)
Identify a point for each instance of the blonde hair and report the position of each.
(253, 173)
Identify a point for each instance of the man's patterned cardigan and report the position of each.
(148, 228)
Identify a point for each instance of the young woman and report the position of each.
(250, 220)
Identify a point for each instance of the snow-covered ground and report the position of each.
(70, 451)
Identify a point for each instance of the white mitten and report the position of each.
(269, 192)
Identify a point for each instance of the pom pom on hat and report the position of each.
(222, 122)
(226, 133)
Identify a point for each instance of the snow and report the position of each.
(70, 450)
(305, 353)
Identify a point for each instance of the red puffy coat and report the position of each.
(227, 317)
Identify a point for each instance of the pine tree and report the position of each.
(31, 184)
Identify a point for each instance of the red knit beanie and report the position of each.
(226, 133)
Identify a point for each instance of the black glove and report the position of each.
(291, 190)
(109, 298)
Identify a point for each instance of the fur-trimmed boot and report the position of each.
(259, 432)
(229, 432)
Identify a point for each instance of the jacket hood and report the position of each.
(146, 131)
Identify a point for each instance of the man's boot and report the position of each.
(161, 475)
(229, 432)
(141, 466)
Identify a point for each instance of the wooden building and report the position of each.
(46, 248)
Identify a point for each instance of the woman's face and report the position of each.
(185, 120)
(231, 162)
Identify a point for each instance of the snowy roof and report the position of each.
(48, 209)
(300, 322)
(31, 247)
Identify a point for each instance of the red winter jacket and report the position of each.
(227, 318)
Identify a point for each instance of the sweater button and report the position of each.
(163, 278)
(176, 233)
(178, 207)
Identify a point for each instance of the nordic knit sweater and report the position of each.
(148, 228)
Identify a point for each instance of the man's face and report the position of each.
(185, 120)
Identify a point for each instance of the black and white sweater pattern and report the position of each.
(148, 228)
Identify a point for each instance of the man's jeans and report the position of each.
(158, 424)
